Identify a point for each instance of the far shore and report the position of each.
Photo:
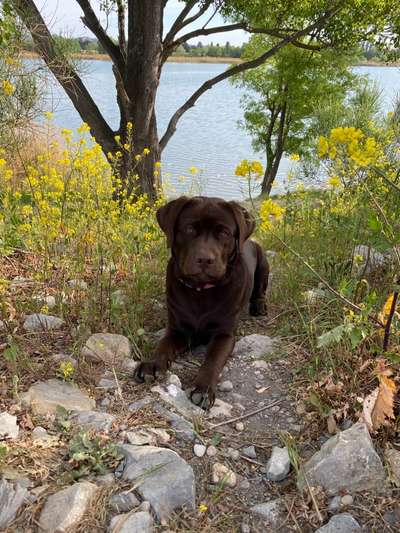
(206, 59)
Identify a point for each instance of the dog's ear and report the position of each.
(244, 221)
(168, 214)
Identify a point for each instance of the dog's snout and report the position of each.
(205, 259)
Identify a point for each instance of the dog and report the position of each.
(215, 270)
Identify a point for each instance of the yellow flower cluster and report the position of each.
(8, 87)
(246, 169)
(270, 213)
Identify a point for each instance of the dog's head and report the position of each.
(205, 235)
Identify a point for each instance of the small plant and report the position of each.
(66, 371)
(91, 454)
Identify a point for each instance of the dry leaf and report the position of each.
(383, 407)
(332, 426)
(368, 406)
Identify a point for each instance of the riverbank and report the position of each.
(172, 59)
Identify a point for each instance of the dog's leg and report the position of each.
(218, 351)
(258, 305)
(171, 345)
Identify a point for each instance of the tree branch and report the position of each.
(91, 21)
(64, 73)
(121, 28)
(237, 69)
(179, 21)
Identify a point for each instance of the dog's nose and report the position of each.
(205, 259)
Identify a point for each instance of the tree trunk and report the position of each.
(268, 179)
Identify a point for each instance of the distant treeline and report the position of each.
(76, 45)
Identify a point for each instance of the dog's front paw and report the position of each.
(258, 307)
(149, 371)
(204, 397)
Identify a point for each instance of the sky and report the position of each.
(63, 16)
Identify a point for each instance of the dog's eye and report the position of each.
(190, 230)
(223, 233)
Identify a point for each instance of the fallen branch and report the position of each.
(247, 415)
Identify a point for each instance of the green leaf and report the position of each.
(331, 337)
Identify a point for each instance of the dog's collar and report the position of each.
(198, 288)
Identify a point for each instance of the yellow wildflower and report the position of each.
(8, 87)
(295, 157)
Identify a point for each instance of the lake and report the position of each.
(208, 136)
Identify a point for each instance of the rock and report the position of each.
(335, 504)
(140, 522)
(347, 500)
(129, 365)
(105, 480)
(393, 459)
(239, 426)
(96, 420)
(340, 523)
(64, 509)
(212, 451)
(314, 296)
(254, 346)
(44, 396)
(39, 433)
(64, 358)
(272, 513)
(107, 348)
(140, 437)
(177, 398)
(78, 284)
(392, 517)
(49, 301)
(123, 502)
(278, 465)
(119, 297)
(41, 322)
(250, 452)
(8, 426)
(233, 454)
(139, 404)
(199, 450)
(166, 480)
(226, 386)
(262, 364)
(219, 409)
(145, 506)
(347, 461)
(367, 260)
(183, 429)
(222, 474)
(172, 379)
(11, 499)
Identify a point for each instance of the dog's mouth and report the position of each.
(201, 280)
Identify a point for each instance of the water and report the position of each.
(208, 136)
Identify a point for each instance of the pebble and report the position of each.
(347, 499)
(173, 379)
(199, 450)
(233, 454)
(226, 386)
(221, 472)
(39, 433)
(250, 452)
(239, 426)
(212, 451)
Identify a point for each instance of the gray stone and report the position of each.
(278, 465)
(367, 260)
(107, 383)
(107, 348)
(119, 297)
(226, 386)
(222, 474)
(105, 480)
(49, 301)
(250, 452)
(39, 433)
(8, 426)
(11, 499)
(314, 296)
(139, 404)
(393, 459)
(96, 420)
(177, 398)
(44, 396)
(239, 426)
(78, 284)
(140, 522)
(183, 429)
(340, 523)
(199, 450)
(272, 513)
(347, 461)
(42, 322)
(254, 346)
(212, 451)
(335, 504)
(233, 454)
(140, 437)
(347, 500)
(220, 409)
(173, 379)
(163, 478)
(123, 502)
(65, 509)
(261, 364)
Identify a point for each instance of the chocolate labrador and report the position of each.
(213, 273)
